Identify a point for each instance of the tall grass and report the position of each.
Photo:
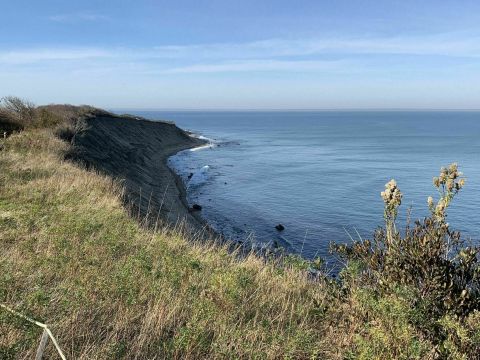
(73, 258)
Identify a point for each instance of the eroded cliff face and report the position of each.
(135, 151)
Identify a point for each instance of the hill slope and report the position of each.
(135, 151)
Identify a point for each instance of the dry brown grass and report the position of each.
(72, 257)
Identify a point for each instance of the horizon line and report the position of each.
(293, 109)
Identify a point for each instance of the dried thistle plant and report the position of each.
(448, 183)
(392, 197)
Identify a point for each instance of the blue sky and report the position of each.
(243, 54)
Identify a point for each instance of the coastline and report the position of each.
(181, 187)
(135, 151)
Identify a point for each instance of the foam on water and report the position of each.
(175, 162)
(199, 177)
(210, 142)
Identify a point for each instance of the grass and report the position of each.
(72, 257)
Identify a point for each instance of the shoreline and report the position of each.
(182, 189)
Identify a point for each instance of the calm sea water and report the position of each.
(320, 174)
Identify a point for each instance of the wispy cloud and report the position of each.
(31, 56)
(257, 65)
(78, 17)
(441, 44)
(267, 55)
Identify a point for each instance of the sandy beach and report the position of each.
(135, 151)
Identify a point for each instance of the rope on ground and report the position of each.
(46, 331)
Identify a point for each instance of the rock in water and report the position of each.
(280, 227)
(196, 207)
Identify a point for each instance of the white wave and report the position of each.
(206, 146)
(201, 137)
(210, 142)
(199, 177)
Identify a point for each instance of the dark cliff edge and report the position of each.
(135, 151)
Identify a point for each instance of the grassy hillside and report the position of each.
(72, 257)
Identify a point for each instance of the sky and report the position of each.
(223, 54)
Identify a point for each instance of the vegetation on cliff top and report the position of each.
(109, 288)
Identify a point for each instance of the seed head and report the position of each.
(449, 179)
(430, 201)
(392, 196)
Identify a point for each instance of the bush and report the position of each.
(46, 118)
(65, 132)
(430, 259)
(17, 114)
(21, 112)
(387, 331)
(8, 122)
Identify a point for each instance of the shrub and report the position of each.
(8, 122)
(386, 331)
(20, 111)
(65, 132)
(431, 259)
(17, 114)
(461, 336)
(46, 118)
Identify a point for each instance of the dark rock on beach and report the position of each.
(196, 207)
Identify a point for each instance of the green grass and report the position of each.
(73, 258)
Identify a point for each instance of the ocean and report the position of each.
(320, 173)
